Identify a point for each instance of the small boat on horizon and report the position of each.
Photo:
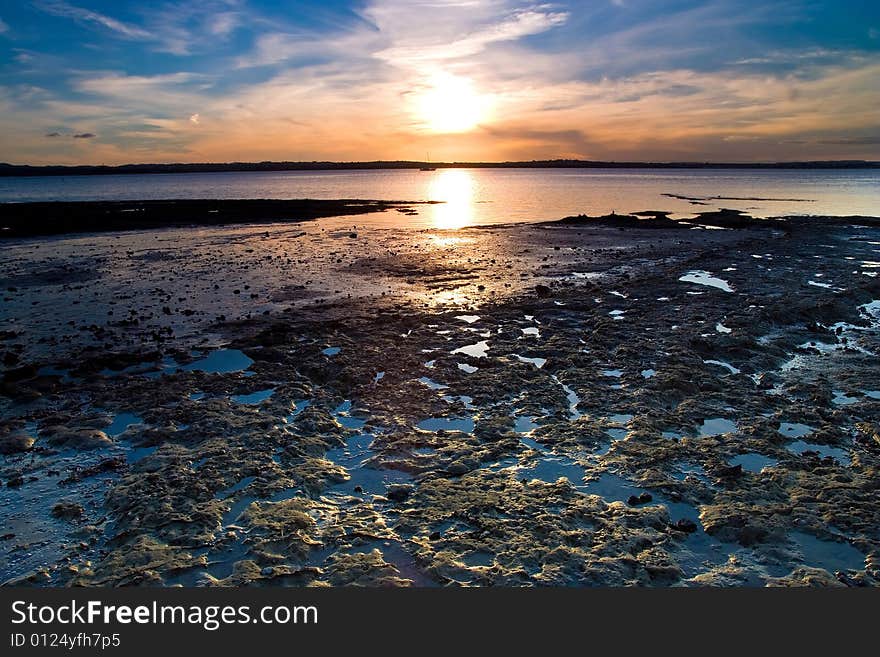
(427, 166)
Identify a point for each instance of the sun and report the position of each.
(451, 104)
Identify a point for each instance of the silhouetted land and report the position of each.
(89, 170)
(54, 218)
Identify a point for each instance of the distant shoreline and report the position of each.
(51, 218)
(42, 219)
(26, 170)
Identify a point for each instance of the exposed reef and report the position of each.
(628, 400)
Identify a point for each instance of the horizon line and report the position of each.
(11, 170)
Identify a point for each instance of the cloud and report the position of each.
(223, 23)
(3, 26)
(84, 135)
(414, 47)
(171, 92)
(178, 28)
(195, 119)
(412, 33)
(53, 134)
(185, 28)
(82, 15)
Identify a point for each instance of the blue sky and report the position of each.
(88, 81)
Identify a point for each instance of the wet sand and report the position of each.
(581, 403)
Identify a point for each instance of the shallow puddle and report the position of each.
(700, 277)
(801, 446)
(254, 398)
(222, 361)
(532, 444)
(830, 555)
(552, 467)
(537, 362)
(343, 415)
(842, 399)
(524, 424)
(477, 350)
(720, 363)
(716, 426)
(122, 422)
(298, 407)
(753, 462)
(433, 385)
(573, 400)
(794, 430)
(463, 424)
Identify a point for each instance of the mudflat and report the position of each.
(597, 401)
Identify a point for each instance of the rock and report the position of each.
(80, 439)
(399, 492)
(685, 525)
(635, 500)
(358, 489)
(20, 373)
(458, 468)
(435, 536)
(16, 481)
(543, 291)
(730, 472)
(68, 510)
(268, 571)
(15, 444)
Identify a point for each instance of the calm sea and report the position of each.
(481, 196)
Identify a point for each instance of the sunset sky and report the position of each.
(117, 81)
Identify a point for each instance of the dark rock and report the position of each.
(435, 536)
(68, 510)
(399, 492)
(685, 525)
(15, 443)
(730, 472)
(20, 373)
(105, 465)
(543, 291)
(16, 481)
(635, 500)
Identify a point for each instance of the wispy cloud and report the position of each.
(82, 15)
(415, 40)
(3, 26)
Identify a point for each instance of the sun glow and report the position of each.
(455, 189)
(451, 104)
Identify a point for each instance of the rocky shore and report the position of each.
(614, 401)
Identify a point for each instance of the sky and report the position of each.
(122, 81)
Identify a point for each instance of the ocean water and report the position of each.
(488, 196)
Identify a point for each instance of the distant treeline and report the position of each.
(91, 170)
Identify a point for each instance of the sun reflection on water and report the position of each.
(455, 188)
